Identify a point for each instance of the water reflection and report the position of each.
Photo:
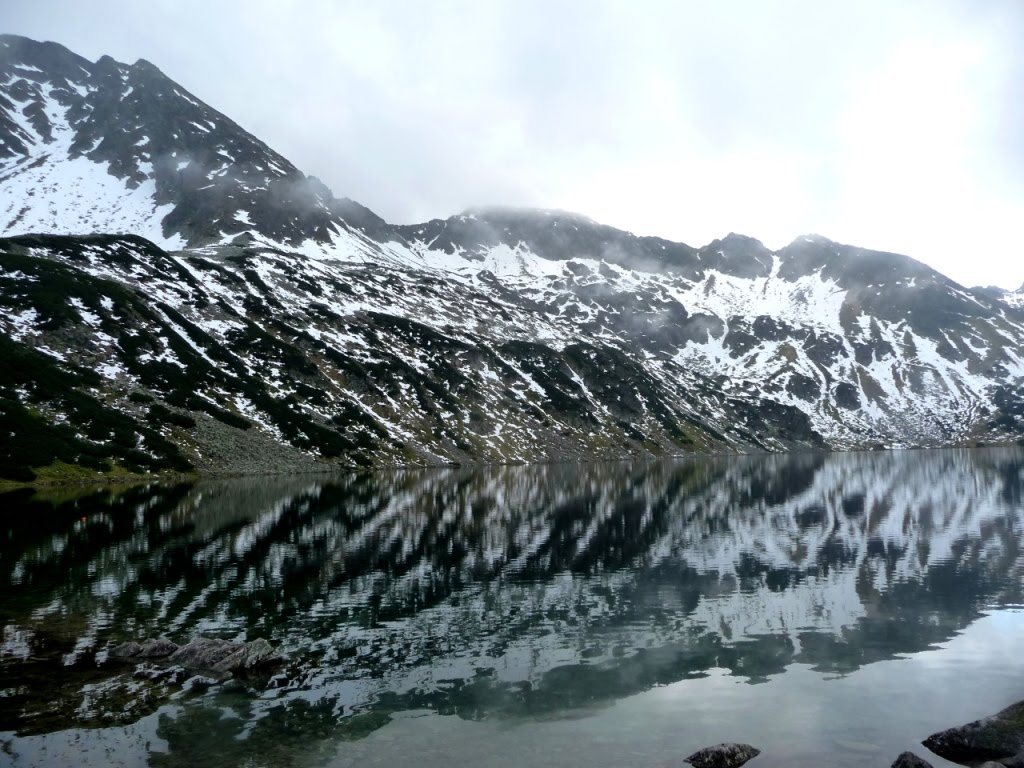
(538, 591)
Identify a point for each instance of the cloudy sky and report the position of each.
(897, 126)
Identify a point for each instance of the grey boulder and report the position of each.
(153, 648)
(723, 756)
(996, 738)
(223, 655)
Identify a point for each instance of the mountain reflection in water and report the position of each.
(503, 592)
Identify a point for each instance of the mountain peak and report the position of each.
(130, 150)
(811, 237)
(525, 212)
(736, 238)
(143, 68)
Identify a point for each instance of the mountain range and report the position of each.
(176, 295)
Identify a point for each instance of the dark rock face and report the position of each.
(995, 737)
(910, 760)
(846, 396)
(723, 756)
(737, 255)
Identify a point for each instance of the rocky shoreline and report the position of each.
(996, 741)
(993, 741)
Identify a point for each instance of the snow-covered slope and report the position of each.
(108, 147)
(339, 360)
(1013, 298)
(294, 327)
(872, 347)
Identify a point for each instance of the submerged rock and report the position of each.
(203, 653)
(910, 760)
(257, 653)
(723, 756)
(153, 648)
(206, 654)
(995, 737)
(223, 655)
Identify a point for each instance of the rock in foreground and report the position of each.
(995, 737)
(910, 760)
(723, 756)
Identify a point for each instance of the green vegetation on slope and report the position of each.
(36, 427)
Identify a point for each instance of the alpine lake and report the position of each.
(830, 609)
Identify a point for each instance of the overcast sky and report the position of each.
(897, 126)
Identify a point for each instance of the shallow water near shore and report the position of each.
(827, 608)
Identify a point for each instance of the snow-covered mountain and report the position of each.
(107, 147)
(263, 322)
(1013, 298)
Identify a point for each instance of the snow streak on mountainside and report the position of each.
(337, 360)
(107, 147)
(237, 354)
(278, 326)
(872, 347)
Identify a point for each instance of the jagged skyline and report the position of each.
(890, 128)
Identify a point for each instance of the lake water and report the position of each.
(831, 609)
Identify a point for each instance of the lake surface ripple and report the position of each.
(828, 608)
